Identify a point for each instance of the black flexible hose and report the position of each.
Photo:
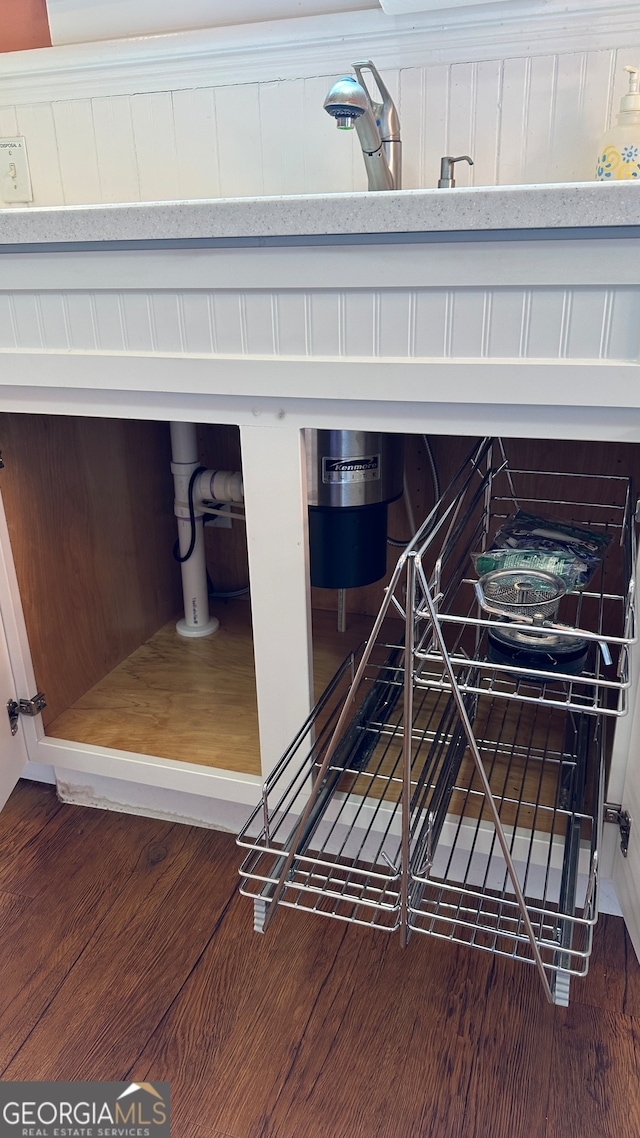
(192, 518)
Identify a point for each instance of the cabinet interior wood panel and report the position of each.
(89, 506)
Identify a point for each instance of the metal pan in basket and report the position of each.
(531, 595)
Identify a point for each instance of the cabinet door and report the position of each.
(626, 873)
(16, 673)
(13, 751)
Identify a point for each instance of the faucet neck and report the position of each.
(380, 131)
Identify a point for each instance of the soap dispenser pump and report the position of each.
(619, 153)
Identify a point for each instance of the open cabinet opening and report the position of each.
(452, 780)
(89, 504)
(90, 511)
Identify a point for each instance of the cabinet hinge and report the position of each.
(621, 819)
(31, 707)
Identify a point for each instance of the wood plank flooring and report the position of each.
(127, 953)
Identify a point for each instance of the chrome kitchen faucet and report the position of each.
(377, 124)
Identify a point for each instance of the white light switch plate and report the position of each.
(15, 180)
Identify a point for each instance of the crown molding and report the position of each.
(83, 21)
(315, 45)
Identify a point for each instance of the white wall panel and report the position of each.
(623, 342)
(461, 124)
(115, 149)
(28, 326)
(593, 323)
(196, 151)
(106, 310)
(36, 122)
(523, 119)
(75, 135)
(196, 315)
(8, 331)
(505, 335)
(52, 318)
(239, 140)
(396, 333)
(82, 321)
(326, 324)
(362, 324)
(8, 122)
(167, 328)
(589, 311)
(484, 144)
(155, 146)
(292, 331)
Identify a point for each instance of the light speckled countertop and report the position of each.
(329, 217)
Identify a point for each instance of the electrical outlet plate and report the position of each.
(15, 180)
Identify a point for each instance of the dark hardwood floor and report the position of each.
(127, 953)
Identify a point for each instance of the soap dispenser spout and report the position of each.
(446, 180)
(350, 103)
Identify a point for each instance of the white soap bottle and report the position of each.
(619, 153)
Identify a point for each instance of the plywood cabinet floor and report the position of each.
(194, 700)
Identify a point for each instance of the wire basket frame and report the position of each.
(434, 791)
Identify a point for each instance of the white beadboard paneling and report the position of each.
(411, 111)
(195, 132)
(75, 135)
(155, 147)
(589, 310)
(467, 335)
(292, 336)
(227, 326)
(81, 315)
(538, 119)
(291, 117)
(601, 69)
(259, 317)
(53, 320)
(27, 320)
(115, 149)
(361, 324)
(165, 314)
(435, 124)
(486, 120)
(106, 309)
(545, 324)
(196, 315)
(523, 119)
(326, 322)
(138, 332)
(8, 336)
(432, 324)
(505, 333)
(8, 122)
(36, 123)
(514, 97)
(623, 341)
(568, 149)
(239, 138)
(462, 114)
(397, 324)
(586, 322)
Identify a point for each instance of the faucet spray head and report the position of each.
(346, 102)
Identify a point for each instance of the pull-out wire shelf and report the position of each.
(432, 791)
